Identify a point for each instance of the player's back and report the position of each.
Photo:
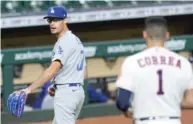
(159, 81)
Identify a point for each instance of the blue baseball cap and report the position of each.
(56, 12)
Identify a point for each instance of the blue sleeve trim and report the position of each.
(123, 101)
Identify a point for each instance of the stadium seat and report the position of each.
(121, 3)
(40, 6)
(73, 5)
(57, 2)
(96, 4)
(29, 74)
(11, 6)
(36, 6)
(3, 7)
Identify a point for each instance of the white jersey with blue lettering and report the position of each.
(70, 51)
(158, 78)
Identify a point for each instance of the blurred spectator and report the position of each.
(98, 97)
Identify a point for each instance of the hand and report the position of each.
(51, 90)
(26, 90)
(127, 114)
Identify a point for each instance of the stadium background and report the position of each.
(18, 31)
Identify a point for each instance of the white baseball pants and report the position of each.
(68, 102)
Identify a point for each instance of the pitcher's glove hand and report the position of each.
(16, 102)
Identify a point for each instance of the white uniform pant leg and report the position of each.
(68, 103)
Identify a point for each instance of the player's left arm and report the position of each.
(47, 75)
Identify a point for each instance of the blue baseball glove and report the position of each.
(16, 103)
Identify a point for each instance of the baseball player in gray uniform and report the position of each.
(67, 69)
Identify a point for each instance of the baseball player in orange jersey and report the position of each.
(156, 82)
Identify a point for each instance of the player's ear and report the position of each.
(167, 35)
(65, 21)
(145, 37)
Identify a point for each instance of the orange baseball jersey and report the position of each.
(158, 78)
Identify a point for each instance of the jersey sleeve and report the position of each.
(61, 53)
(124, 79)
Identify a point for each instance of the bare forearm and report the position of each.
(187, 105)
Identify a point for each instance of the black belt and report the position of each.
(69, 84)
(154, 118)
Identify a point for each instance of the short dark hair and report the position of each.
(156, 27)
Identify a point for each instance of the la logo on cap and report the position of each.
(52, 10)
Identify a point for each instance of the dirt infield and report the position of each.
(187, 118)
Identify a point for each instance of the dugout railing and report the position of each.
(92, 50)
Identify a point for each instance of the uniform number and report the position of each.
(81, 63)
(160, 86)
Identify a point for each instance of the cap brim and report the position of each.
(49, 17)
(46, 17)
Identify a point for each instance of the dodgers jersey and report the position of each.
(158, 78)
(70, 51)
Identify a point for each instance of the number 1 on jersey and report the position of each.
(160, 77)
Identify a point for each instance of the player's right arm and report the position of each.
(61, 52)
(125, 90)
(188, 95)
(47, 75)
(123, 102)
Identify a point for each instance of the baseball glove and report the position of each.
(16, 103)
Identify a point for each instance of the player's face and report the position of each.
(56, 25)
